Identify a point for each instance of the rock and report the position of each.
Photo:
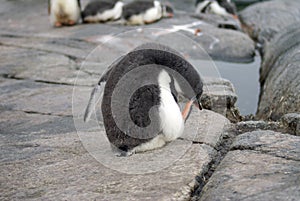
(292, 123)
(226, 45)
(246, 126)
(52, 162)
(280, 84)
(269, 142)
(72, 48)
(262, 21)
(258, 165)
(220, 43)
(219, 96)
(35, 97)
(207, 132)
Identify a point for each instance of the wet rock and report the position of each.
(280, 84)
(292, 123)
(258, 164)
(262, 21)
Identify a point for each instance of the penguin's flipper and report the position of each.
(97, 92)
(96, 95)
(79, 4)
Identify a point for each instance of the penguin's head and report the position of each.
(191, 89)
(167, 11)
(229, 7)
(181, 87)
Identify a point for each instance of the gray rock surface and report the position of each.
(226, 45)
(262, 21)
(219, 95)
(246, 126)
(280, 84)
(292, 122)
(261, 165)
(45, 81)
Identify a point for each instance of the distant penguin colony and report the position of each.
(159, 94)
(64, 12)
(139, 12)
(218, 7)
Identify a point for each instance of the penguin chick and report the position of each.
(102, 11)
(64, 12)
(148, 117)
(145, 12)
(218, 7)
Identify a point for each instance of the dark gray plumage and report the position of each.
(94, 9)
(144, 98)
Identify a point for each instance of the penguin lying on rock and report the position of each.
(140, 100)
(145, 12)
(218, 7)
(64, 12)
(102, 11)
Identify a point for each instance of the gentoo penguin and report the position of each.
(64, 12)
(102, 11)
(140, 100)
(145, 12)
(218, 7)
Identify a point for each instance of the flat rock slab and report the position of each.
(51, 161)
(264, 20)
(262, 165)
(35, 97)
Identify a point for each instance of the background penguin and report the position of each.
(64, 12)
(145, 12)
(161, 96)
(218, 7)
(102, 11)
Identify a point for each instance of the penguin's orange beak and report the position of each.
(170, 15)
(235, 17)
(187, 108)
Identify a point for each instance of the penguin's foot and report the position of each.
(58, 24)
(124, 153)
(71, 22)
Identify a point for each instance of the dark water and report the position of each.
(245, 78)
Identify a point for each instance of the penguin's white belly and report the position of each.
(64, 10)
(172, 123)
(201, 6)
(217, 9)
(101, 17)
(151, 15)
(111, 14)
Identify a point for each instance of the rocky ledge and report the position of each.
(221, 156)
